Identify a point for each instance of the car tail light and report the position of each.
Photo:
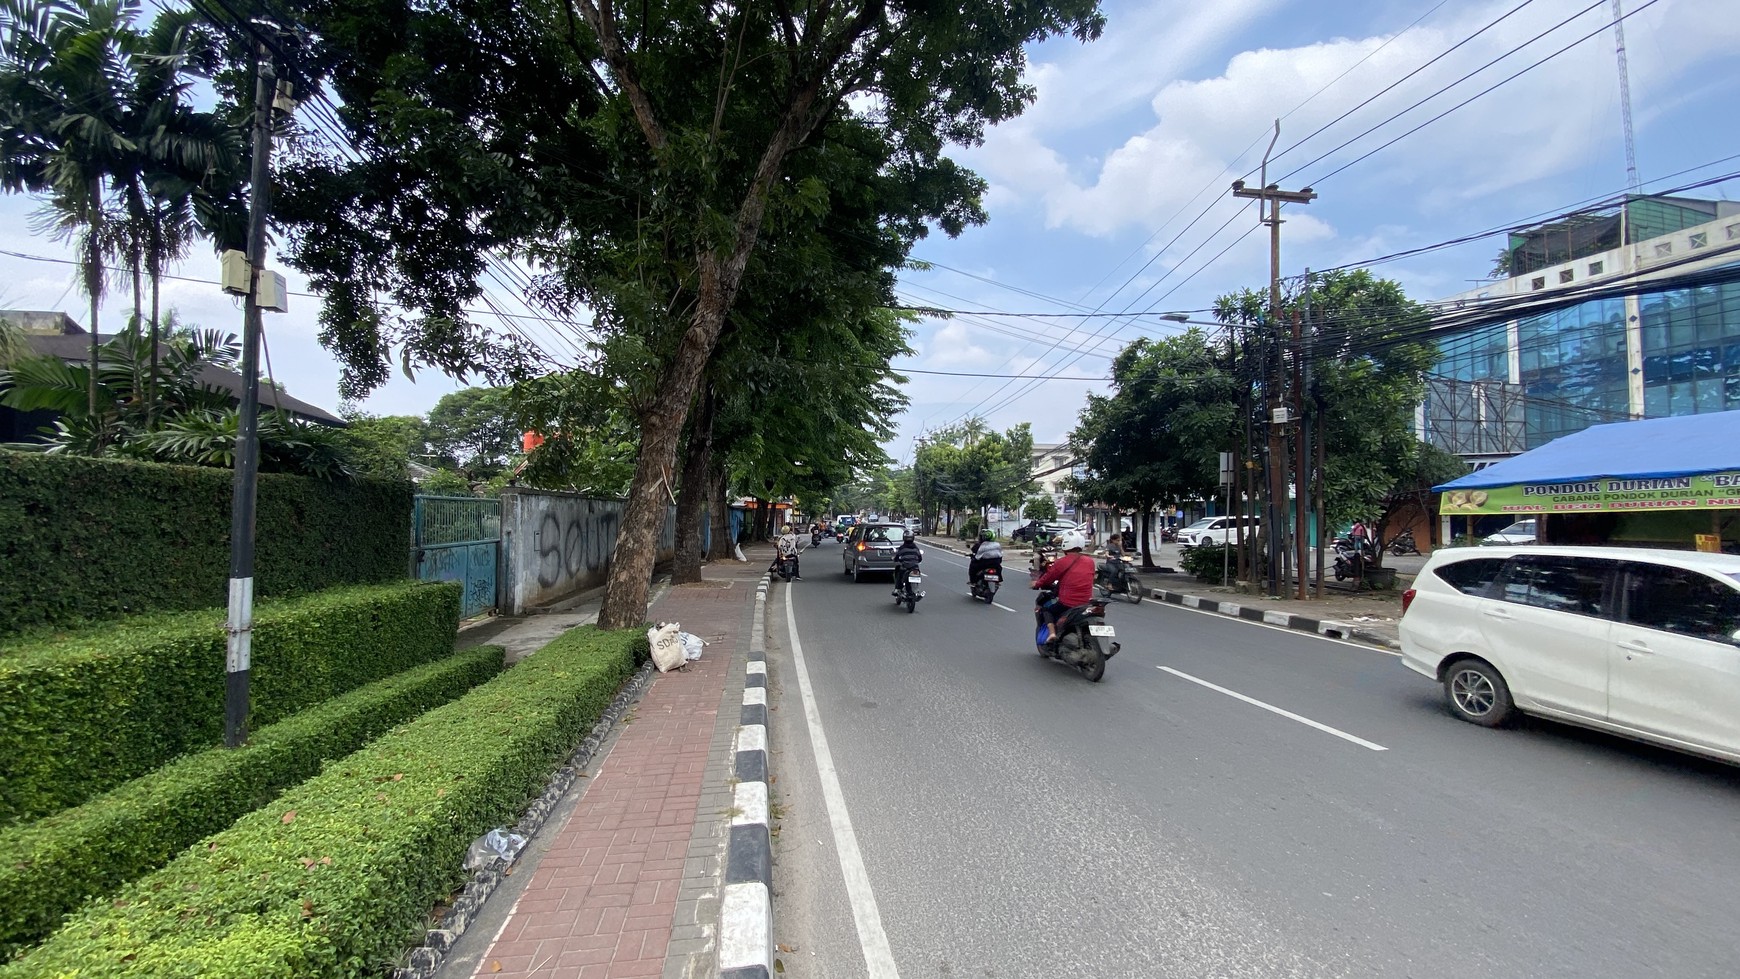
(1407, 600)
(860, 545)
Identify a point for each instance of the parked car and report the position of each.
(1521, 532)
(912, 524)
(1641, 643)
(1217, 530)
(869, 548)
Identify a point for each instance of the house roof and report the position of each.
(1655, 448)
(76, 348)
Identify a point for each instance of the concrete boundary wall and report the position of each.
(554, 545)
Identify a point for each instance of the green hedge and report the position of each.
(82, 713)
(91, 539)
(336, 878)
(50, 867)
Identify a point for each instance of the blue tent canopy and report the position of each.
(1655, 448)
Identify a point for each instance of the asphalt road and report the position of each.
(1014, 820)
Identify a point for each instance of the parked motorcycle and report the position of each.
(1403, 543)
(1081, 639)
(985, 589)
(1169, 535)
(1353, 561)
(908, 593)
(1117, 576)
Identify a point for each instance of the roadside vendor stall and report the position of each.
(1661, 482)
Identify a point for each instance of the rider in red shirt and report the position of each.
(1073, 574)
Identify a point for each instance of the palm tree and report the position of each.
(64, 65)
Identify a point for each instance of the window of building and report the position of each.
(1596, 268)
(1565, 275)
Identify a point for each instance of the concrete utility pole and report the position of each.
(1275, 516)
(240, 623)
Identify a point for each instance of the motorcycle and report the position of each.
(908, 593)
(1117, 576)
(815, 538)
(786, 567)
(985, 589)
(1403, 543)
(1081, 639)
(1353, 561)
(1169, 535)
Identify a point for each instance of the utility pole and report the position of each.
(1276, 512)
(240, 623)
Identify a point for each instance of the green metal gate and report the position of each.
(458, 538)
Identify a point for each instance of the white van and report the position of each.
(1641, 643)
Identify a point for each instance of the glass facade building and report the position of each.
(1656, 352)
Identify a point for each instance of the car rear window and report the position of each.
(884, 534)
(1470, 577)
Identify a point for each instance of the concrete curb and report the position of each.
(1288, 620)
(746, 911)
(1329, 628)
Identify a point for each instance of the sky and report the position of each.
(1111, 193)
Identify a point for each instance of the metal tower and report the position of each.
(1631, 178)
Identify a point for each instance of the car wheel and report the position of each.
(1477, 693)
(856, 575)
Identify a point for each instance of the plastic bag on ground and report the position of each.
(692, 645)
(667, 649)
(497, 844)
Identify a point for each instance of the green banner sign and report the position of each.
(1711, 491)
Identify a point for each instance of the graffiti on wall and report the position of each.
(572, 543)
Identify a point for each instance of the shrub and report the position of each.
(82, 713)
(337, 877)
(1208, 561)
(50, 867)
(91, 539)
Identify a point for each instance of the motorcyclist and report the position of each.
(1073, 573)
(907, 558)
(987, 555)
(786, 548)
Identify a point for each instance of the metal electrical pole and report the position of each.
(240, 624)
(1275, 515)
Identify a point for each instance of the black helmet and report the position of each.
(909, 535)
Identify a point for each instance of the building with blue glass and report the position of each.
(1625, 314)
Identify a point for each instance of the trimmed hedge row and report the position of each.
(84, 712)
(50, 867)
(337, 877)
(88, 539)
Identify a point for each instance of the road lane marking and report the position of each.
(878, 955)
(1254, 702)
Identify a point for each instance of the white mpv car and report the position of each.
(1642, 643)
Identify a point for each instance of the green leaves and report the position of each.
(262, 899)
(50, 867)
(83, 712)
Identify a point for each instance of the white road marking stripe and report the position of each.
(1004, 607)
(878, 955)
(1254, 702)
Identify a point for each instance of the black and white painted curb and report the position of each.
(746, 911)
(1329, 628)
(1286, 620)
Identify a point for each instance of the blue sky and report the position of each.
(1141, 132)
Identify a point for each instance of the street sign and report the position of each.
(1226, 468)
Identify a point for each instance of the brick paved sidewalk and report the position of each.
(630, 882)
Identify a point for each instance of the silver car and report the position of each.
(870, 548)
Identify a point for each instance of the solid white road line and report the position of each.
(878, 956)
(1254, 702)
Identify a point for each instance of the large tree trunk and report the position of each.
(721, 545)
(687, 568)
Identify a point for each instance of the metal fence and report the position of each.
(458, 538)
